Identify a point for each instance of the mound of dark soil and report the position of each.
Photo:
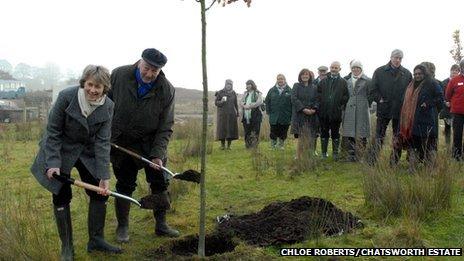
(276, 224)
(289, 222)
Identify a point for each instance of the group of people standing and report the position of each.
(134, 108)
(412, 102)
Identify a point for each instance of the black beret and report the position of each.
(154, 57)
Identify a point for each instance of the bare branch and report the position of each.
(212, 3)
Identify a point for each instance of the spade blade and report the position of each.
(189, 175)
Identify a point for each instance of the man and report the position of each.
(455, 95)
(142, 122)
(389, 83)
(445, 112)
(334, 95)
(321, 74)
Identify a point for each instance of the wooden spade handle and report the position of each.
(81, 184)
(88, 186)
(140, 157)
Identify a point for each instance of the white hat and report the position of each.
(356, 63)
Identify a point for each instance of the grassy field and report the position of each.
(238, 181)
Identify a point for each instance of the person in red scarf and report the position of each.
(419, 113)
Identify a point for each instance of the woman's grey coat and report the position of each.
(227, 112)
(356, 120)
(70, 136)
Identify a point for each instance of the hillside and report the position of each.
(189, 101)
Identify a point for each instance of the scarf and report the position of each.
(280, 88)
(87, 107)
(144, 88)
(354, 79)
(408, 111)
(250, 98)
(353, 82)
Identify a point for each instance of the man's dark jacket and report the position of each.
(388, 88)
(334, 95)
(141, 124)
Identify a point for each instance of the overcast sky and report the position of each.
(270, 37)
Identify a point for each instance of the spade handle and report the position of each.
(91, 187)
(140, 157)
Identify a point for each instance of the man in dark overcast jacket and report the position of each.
(389, 83)
(143, 120)
(334, 95)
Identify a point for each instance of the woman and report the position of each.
(418, 124)
(279, 108)
(305, 102)
(227, 113)
(356, 124)
(252, 116)
(78, 135)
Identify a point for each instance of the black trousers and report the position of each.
(126, 174)
(458, 122)
(447, 132)
(381, 128)
(279, 131)
(251, 133)
(330, 126)
(65, 195)
(423, 147)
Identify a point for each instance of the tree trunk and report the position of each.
(201, 238)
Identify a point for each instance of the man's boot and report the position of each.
(96, 225)
(159, 212)
(324, 145)
(122, 208)
(63, 222)
(335, 145)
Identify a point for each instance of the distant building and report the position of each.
(10, 85)
(11, 89)
(15, 111)
(10, 111)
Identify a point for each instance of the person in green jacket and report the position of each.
(279, 108)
